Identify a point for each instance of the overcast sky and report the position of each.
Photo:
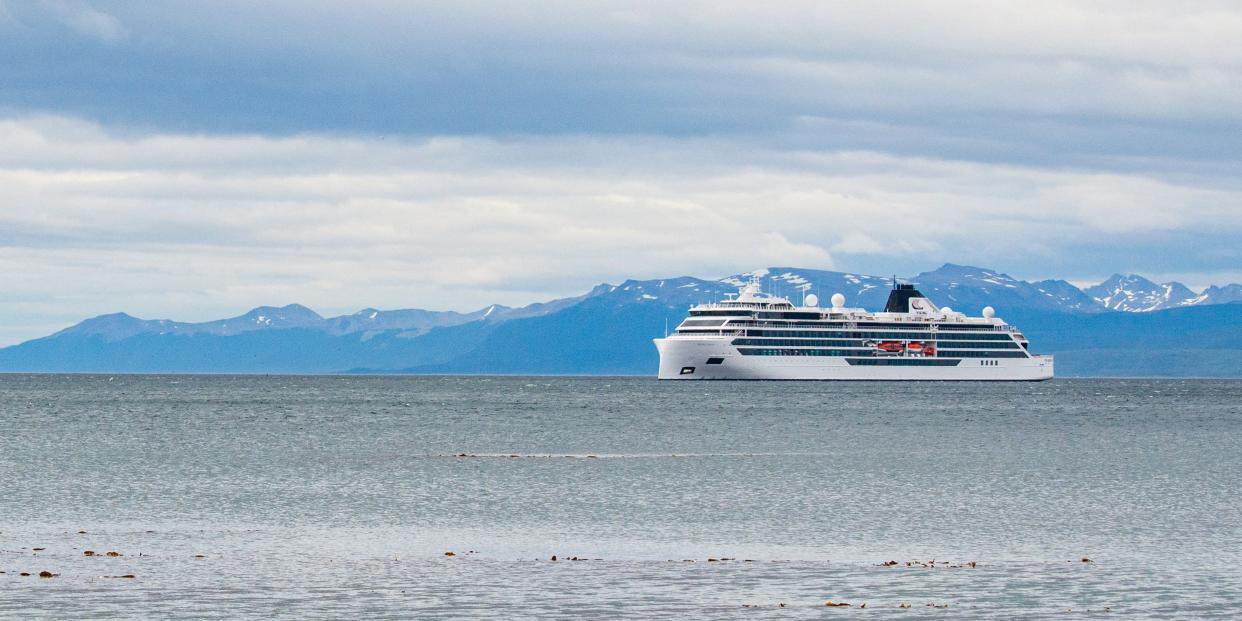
(193, 160)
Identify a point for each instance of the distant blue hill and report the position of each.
(609, 330)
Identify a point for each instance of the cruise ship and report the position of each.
(758, 336)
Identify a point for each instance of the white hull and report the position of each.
(679, 353)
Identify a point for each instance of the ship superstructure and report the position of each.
(753, 335)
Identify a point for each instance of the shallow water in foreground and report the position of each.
(298, 497)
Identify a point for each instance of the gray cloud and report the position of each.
(193, 160)
(196, 226)
(1104, 85)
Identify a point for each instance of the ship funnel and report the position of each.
(906, 299)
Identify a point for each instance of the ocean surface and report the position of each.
(334, 497)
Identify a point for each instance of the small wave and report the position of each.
(622, 455)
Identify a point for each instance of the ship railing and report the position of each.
(780, 304)
(700, 332)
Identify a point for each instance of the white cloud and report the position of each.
(86, 20)
(197, 227)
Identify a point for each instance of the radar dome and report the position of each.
(946, 310)
(838, 300)
(989, 312)
(812, 299)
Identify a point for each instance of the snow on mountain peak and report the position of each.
(1134, 293)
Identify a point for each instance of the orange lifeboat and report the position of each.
(915, 347)
(892, 347)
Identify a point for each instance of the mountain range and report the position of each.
(1126, 325)
(1134, 293)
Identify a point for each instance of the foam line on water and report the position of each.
(620, 455)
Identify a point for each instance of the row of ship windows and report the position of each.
(794, 315)
(739, 318)
(759, 324)
(913, 325)
(797, 352)
(882, 336)
(837, 343)
(957, 353)
(860, 325)
(897, 336)
(985, 354)
(832, 324)
(720, 313)
(799, 343)
(903, 362)
(845, 352)
(703, 322)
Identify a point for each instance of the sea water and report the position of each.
(301, 497)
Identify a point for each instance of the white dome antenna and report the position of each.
(838, 300)
(989, 312)
(812, 299)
